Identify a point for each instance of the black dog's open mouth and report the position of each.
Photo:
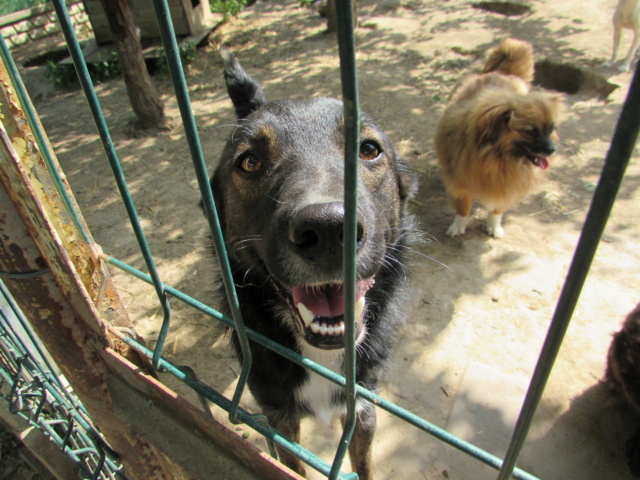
(319, 312)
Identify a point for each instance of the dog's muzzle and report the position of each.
(539, 153)
(315, 236)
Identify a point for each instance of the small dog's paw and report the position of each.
(625, 67)
(607, 64)
(495, 232)
(452, 231)
(494, 225)
(458, 227)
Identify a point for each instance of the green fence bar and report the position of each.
(622, 144)
(242, 414)
(105, 136)
(347, 51)
(180, 85)
(398, 411)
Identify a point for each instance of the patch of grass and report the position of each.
(64, 75)
(187, 52)
(228, 8)
(10, 6)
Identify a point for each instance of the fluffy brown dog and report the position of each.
(495, 136)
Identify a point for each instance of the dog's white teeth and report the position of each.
(324, 329)
(306, 314)
(359, 308)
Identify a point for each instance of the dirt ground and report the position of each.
(481, 307)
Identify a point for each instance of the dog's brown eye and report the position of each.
(250, 164)
(369, 151)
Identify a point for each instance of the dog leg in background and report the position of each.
(361, 441)
(462, 206)
(617, 33)
(494, 224)
(290, 428)
(626, 64)
(626, 15)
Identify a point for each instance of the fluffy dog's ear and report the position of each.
(490, 120)
(557, 101)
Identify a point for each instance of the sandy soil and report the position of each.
(481, 306)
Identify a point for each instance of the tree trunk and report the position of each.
(143, 95)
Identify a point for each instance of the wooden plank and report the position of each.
(154, 409)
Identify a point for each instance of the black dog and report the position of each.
(279, 193)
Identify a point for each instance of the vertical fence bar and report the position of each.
(177, 75)
(105, 136)
(622, 144)
(346, 45)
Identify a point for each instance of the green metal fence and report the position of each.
(602, 202)
(34, 390)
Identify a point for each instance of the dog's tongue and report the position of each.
(325, 300)
(543, 163)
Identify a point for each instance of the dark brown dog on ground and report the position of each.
(495, 136)
(622, 376)
(279, 193)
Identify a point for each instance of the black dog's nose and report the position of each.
(317, 229)
(548, 147)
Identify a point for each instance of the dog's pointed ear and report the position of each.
(491, 119)
(245, 93)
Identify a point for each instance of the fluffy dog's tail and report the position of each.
(512, 57)
(244, 91)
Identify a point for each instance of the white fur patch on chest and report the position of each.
(317, 392)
